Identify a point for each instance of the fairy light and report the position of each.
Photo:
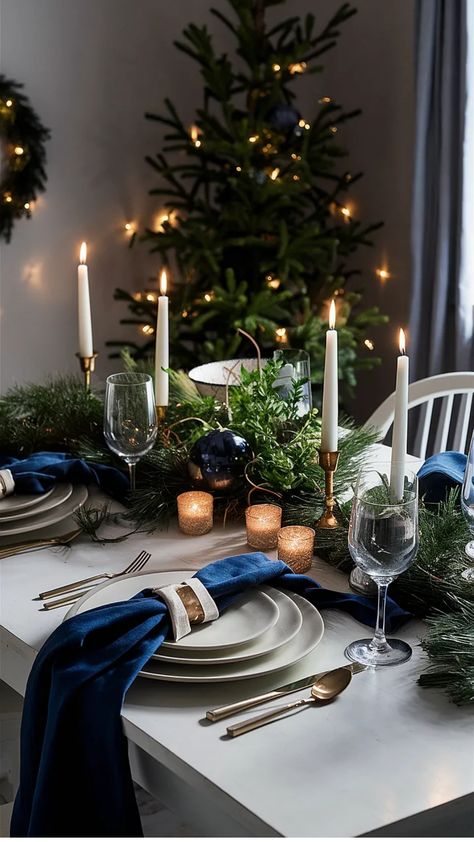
(281, 335)
(253, 138)
(19, 151)
(302, 123)
(295, 156)
(194, 132)
(275, 173)
(333, 129)
(276, 68)
(346, 213)
(369, 344)
(9, 103)
(325, 100)
(272, 283)
(150, 296)
(297, 67)
(383, 274)
(207, 297)
(184, 313)
(8, 198)
(238, 169)
(296, 177)
(148, 330)
(307, 126)
(27, 206)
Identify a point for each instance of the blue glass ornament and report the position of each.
(217, 461)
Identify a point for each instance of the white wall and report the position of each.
(92, 68)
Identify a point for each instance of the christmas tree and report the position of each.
(257, 231)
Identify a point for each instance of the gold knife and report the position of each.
(253, 701)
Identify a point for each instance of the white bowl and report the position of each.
(211, 378)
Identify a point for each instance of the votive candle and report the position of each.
(263, 520)
(195, 512)
(296, 547)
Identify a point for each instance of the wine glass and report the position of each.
(467, 505)
(383, 541)
(296, 367)
(130, 417)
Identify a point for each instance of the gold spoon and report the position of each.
(325, 689)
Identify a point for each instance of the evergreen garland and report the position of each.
(24, 175)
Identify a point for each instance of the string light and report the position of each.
(281, 335)
(194, 131)
(383, 274)
(148, 330)
(275, 173)
(272, 282)
(27, 206)
(325, 100)
(276, 68)
(184, 313)
(9, 103)
(334, 129)
(130, 228)
(295, 156)
(238, 169)
(19, 150)
(8, 197)
(297, 67)
(150, 297)
(296, 178)
(302, 123)
(253, 138)
(369, 344)
(208, 296)
(346, 213)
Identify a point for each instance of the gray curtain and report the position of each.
(436, 344)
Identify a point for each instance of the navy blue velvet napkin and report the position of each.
(38, 472)
(75, 775)
(439, 474)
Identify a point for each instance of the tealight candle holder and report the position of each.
(263, 520)
(195, 512)
(296, 547)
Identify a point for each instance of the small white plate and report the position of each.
(59, 495)
(288, 625)
(248, 618)
(310, 635)
(59, 513)
(18, 502)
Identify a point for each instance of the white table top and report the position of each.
(385, 750)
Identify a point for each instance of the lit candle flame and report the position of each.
(83, 253)
(163, 282)
(332, 315)
(401, 341)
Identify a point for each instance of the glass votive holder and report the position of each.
(263, 520)
(195, 512)
(296, 547)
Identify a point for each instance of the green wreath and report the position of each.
(23, 137)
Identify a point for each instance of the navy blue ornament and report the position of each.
(284, 118)
(217, 461)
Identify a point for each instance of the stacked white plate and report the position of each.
(264, 631)
(21, 513)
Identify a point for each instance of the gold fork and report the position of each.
(137, 564)
(38, 544)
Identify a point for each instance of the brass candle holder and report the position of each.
(160, 413)
(87, 367)
(328, 461)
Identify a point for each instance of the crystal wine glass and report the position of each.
(130, 417)
(467, 505)
(383, 541)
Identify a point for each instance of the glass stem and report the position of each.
(380, 641)
(131, 473)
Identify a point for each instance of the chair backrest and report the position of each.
(435, 397)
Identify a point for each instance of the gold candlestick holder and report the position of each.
(328, 460)
(87, 367)
(160, 413)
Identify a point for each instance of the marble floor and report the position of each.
(157, 820)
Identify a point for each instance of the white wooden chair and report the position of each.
(435, 431)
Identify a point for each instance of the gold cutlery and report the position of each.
(38, 544)
(135, 566)
(325, 689)
(69, 599)
(253, 701)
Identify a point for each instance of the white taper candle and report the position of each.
(162, 345)
(330, 411)
(86, 345)
(400, 425)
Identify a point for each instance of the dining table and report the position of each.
(386, 758)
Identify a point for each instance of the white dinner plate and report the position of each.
(309, 636)
(59, 495)
(59, 513)
(288, 625)
(18, 502)
(248, 618)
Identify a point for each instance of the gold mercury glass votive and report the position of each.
(195, 511)
(263, 521)
(296, 547)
